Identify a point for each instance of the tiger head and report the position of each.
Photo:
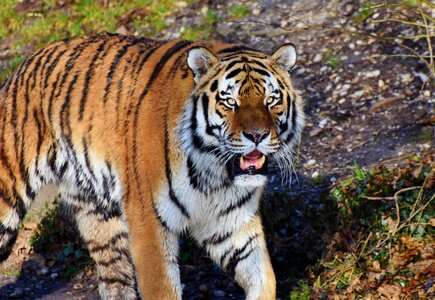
(243, 111)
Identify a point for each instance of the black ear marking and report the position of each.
(200, 60)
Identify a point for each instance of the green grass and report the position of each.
(332, 60)
(8, 68)
(11, 273)
(301, 293)
(203, 31)
(238, 11)
(22, 31)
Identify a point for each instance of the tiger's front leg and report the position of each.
(154, 249)
(243, 254)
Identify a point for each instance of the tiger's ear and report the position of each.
(285, 56)
(200, 60)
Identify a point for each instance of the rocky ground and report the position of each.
(362, 106)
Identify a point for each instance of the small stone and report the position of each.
(122, 30)
(372, 74)
(318, 57)
(315, 131)
(406, 78)
(342, 100)
(358, 94)
(78, 286)
(42, 271)
(310, 163)
(204, 9)
(181, 4)
(323, 69)
(315, 174)
(219, 293)
(256, 12)
(283, 23)
(323, 122)
(54, 275)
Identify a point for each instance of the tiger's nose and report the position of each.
(256, 135)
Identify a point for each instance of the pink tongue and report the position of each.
(253, 158)
(253, 155)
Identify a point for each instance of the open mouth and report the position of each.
(253, 163)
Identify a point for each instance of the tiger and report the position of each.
(147, 140)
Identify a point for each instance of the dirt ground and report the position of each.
(361, 106)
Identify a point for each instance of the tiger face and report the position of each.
(250, 112)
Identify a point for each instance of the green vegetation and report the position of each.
(55, 235)
(197, 32)
(387, 230)
(25, 27)
(301, 293)
(238, 11)
(332, 60)
(10, 273)
(47, 231)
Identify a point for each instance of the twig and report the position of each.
(428, 38)
(402, 22)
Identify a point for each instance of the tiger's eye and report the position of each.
(231, 101)
(269, 100)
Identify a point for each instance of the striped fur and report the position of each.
(140, 136)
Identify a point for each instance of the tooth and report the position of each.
(262, 160)
(243, 164)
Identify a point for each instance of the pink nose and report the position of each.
(256, 135)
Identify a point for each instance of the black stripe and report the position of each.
(158, 68)
(291, 134)
(236, 48)
(87, 160)
(217, 239)
(114, 66)
(239, 203)
(168, 173)
(232, 64)
(88, 76)
(236, 256)
(259, 63)
(262, 72)
(112, 280)
(214, 86)
(233, 73)
(65, 123)
(193, 174)
(197, 140)
(52, 66)
(208, 129)
(101, 247)
(47, 61)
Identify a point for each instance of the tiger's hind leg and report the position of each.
(105, 233)
(13, 207)
(10, 219)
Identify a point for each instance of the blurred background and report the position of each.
(356, 220)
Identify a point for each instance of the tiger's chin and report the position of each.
(250, 169)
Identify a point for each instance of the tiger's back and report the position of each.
(110, 119)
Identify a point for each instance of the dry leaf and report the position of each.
(423, 267)
(389, 291)
(402, 259)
